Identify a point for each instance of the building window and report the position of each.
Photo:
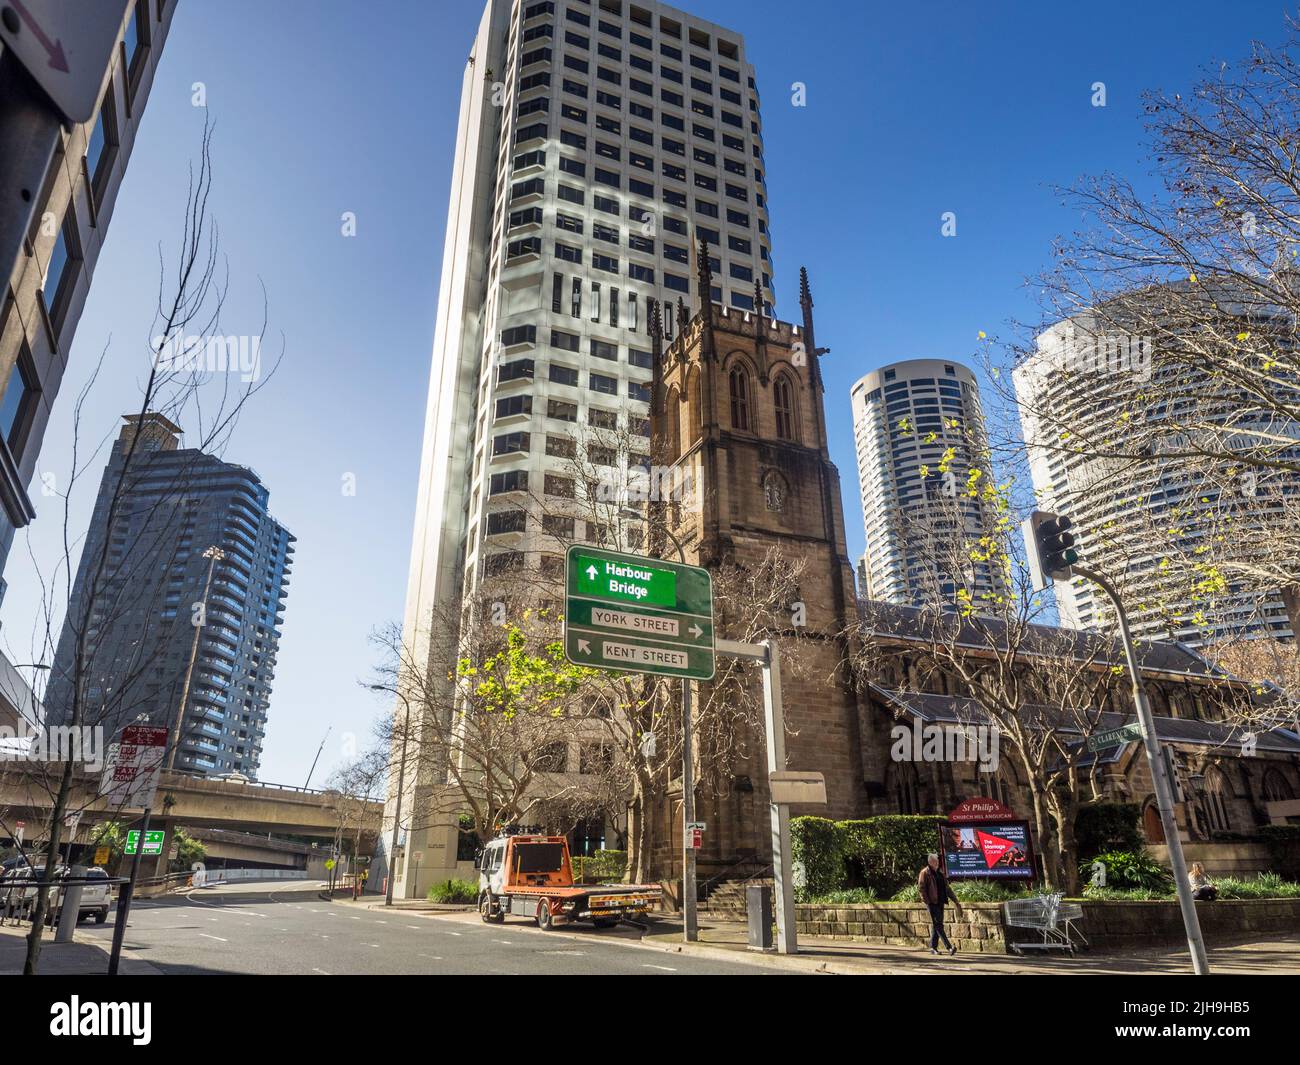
(783, 401)
(18, 404)
(739, 399)
(101, 148)
(61, 270)
(1215, 806)
(1276, 787)
(135, 44)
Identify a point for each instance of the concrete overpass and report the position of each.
(186, 799)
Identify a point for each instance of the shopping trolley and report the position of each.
(1050, 915)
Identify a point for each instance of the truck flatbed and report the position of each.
(531, 876)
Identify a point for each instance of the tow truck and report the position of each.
(531, 876)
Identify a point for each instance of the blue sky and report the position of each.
(323, 107)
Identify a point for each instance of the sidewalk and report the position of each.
(82, 957)
(727, 940)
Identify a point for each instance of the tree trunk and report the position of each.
(1064, 814)
(1045, 840)
(41, 906)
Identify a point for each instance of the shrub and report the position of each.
(886, 853)
(1264, 886)
(1123, 894)
(911, 893)
(844, 897)
(815, 844)
(1283, 843)
(454, 891)
(1128, 870)
(599, 867)
(985, 891)
(1108, 826)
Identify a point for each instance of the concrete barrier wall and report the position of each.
(1107, 925)
(216, 875)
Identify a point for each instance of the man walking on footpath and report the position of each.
(935, 893)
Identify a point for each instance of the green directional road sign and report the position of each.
(642, 615)
(1114, 737)
(153, 841)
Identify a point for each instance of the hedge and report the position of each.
(1108, 826)
(816, 845)
(886, 853)
(599, 866)
(882, 854)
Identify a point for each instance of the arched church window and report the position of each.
(739, 381)
(783, 400)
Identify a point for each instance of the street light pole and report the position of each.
(690, 889)
(213, 555)
(401, 780)
(1163, 785)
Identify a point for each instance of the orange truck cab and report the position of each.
(531, 876)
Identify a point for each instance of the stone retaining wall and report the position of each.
(1108, 925)
(978, 928)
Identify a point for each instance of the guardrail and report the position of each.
(250, 783)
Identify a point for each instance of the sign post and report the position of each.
(131, 779)
(645, 615)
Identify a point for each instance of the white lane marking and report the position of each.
(665, 968)
(354, 917)
(505, 942)
(453, 933)
(381, 922)
(321, 971)
(434, 957)
(217, 938)
(415, 926)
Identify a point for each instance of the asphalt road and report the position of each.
(285, 929)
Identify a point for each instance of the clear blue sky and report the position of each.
(323, 107)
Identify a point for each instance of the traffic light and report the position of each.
(1051, 548)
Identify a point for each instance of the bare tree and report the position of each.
(1174, 362)
(83, 601)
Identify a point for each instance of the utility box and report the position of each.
(758, 902)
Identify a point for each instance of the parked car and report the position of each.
(19, 887)
(96, 898)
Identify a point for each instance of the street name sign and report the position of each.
(640, 615)
(65, 46)
(1114, 737)
(153, 841)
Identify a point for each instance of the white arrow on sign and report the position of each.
(591, 572)
(584, 647)
(696, 631)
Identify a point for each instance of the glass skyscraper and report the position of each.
(138, 601)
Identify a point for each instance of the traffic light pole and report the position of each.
(1163, 785)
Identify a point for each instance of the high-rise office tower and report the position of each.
(1141, 515)
(43, 292)
(148, 558)
(919, 431)
(599, 142)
